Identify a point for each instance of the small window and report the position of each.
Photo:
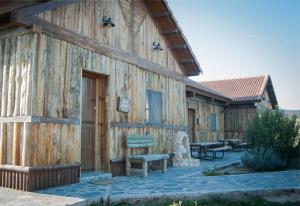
(213, 122)
(153, 107)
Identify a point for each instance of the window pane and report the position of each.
(147, 106)
(213, 122)
(156, 105)
(153, 107)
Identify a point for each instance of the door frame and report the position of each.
(101, 127)
(194, 123)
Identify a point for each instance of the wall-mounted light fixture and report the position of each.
(156, 46)
(107, 21)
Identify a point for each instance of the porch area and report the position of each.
(178, 182)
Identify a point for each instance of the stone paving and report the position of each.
(11, 197)
(179, 181)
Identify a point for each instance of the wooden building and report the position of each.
(77, 76)
(248, 96)
(205, 113)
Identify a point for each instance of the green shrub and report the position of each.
(263, 159)
(272, 138)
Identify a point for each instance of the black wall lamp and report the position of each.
(107, 21)
(156, 46)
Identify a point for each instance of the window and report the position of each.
(153, 107)
(213, 122)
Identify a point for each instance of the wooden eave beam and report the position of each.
(160, 15)
(180, 46)
(205, 93)
(20, 17)
(171, 32)
(171, 19)
(39, 8)
(42, 26)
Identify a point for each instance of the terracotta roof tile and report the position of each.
(241, 89)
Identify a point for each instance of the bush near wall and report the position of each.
(273, 143)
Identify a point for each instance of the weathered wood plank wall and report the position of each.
(56, 93)
(238, 117)
(134, 35)
(16, 60)
(40, 77)
(203, 110)
(35, 86)
(237, 120)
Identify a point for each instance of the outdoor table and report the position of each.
(232, 142)
(202, 148)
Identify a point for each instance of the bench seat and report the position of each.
(219, 149)
(142, 141)
(149, 157)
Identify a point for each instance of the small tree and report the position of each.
(272, 130)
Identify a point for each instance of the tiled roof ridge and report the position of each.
(240, 89)
(236, 78)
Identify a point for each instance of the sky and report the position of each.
(235, 38)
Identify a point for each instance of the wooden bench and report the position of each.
(239, 146)
(142, 141)
(219, 149)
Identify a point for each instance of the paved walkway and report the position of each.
(179, 181)
(10, 197)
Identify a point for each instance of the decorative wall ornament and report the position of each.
(107, 21)
(124, 104)
(156, 46)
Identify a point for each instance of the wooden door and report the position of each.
(191, 125)
(88, 123)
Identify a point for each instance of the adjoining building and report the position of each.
(248, 95)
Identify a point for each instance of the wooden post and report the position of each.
(164, 170)
(128, 165)
(3, 143)
(16, 144)
(145, 169)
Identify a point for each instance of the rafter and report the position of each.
(160, 15)
(180, 46)
(186, 61)
(170, 32)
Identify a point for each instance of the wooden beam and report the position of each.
(19, 16)
(171, 32)
(180, 46)
(200, 89)
(187, 61)
(12, 5)
(38, 119)
(63, 34)
(39, 8)
(14, 31)
(160, 15)
(19, 20)
(51, 120)
(143, 125)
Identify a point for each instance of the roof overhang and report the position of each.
(174, 36)
(194, 86)
(158, 9)
(270, 89)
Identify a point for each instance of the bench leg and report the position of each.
(221, 156)
(145, 169)
(128, 167)
(164, 170)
